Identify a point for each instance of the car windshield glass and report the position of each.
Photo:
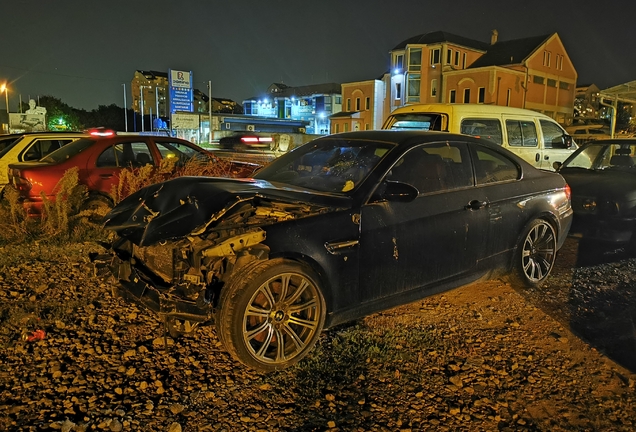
(603, 156)
(425, 121)
(69, 150)
(7, 143)
(326, 165)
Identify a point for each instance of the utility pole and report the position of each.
(210, 109)
(125, 109)
(141, 93)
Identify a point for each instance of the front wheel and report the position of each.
(271, 314)
(535, 255)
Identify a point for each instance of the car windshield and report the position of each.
(326, 165)
(69, 150)
(603, 156)
(425, 121)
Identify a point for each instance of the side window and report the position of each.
(521, 133)
(493, 167)
(483, 128)
(552, 134)
(42, 147)
(177, 150)
(123, 155)
(434, 168)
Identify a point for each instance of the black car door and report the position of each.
(435, 237)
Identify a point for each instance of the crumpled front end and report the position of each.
(181, 277)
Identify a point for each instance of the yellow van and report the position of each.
(533, 136)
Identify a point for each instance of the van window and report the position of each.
(552, 133)
(521, 133)
(428, 121)
(482, 128)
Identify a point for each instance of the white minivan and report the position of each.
(533, 136)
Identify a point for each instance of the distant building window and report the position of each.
(464, 61)
(467, 95)
(481, 94)
(366, 126)
(367, 104)
(413, 89)
(451, 96)
(435, 56)
(398, 61)
(338, 99)
(552, 83)
(564, 85)
(449, 56)
(537, 79)
(398, 90)
(337, 127)
(508, 93)
(348, 105)
(346, 127)
(456, 58)
(434, 87)
(415, 59)
(247, 108)
(357, 104)
(547, 55)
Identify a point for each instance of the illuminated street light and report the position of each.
(5, 89)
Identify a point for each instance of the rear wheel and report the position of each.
(271, 314)
(535, 255)
(96, 207)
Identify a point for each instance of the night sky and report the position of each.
(82, 51)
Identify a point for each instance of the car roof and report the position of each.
(406, 137)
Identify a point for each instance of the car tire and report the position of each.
(97, 206)
(535, 255)
(266, 303)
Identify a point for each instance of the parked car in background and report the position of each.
(31, 146)
(585, 134)
(100, 158)
(535, 137)
(341, 227)
(602, 176)
(247, 140)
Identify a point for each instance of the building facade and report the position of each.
(313, 104)
(363, 106)
(533, 73)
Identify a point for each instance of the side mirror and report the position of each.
(395, 191)
(557, 165)
(562, 142)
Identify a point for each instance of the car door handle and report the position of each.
(537, 157)
(475, 205)
(105, 176)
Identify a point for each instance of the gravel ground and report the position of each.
(481, 358)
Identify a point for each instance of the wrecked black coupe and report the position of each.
(344, 226)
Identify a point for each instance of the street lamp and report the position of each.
(5, 89)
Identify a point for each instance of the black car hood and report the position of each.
(606, 184)
(176, 208)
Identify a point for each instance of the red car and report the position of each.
(100, 158)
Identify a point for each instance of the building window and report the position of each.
(546, 58)
(464, 61)
(413, 89)
(337, 127)
(449, 56)
(481, 94)
(357, 104)
(456, 58)
(435, 56)
(434, 87)
(338, 99)
(367, 104)
(564, 85)
(467, 95)
(537, 79)
(508, 98)
(398, 61)
(398, 90)
(415, 59)
(552, 83)
(247, 108)
(451, 96)
(348, 105)
(366, 126)
(346, 127)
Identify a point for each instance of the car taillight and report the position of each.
(568, 192)
(254, 139)
(101, 132)
(19, 182)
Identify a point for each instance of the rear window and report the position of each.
(418, 121)
(69, 150)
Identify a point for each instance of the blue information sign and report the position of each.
(181, 94)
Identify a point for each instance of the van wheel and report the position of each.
(535, 255)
